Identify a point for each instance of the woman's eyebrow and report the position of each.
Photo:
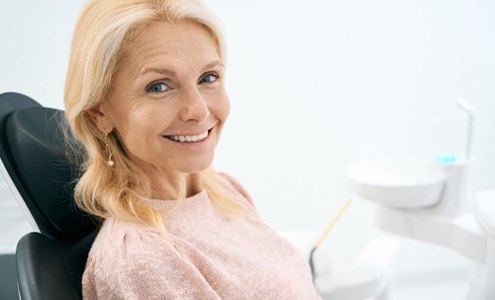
(171, 73)
(213, 64)
(161, 71)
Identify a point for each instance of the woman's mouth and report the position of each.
(189, 138)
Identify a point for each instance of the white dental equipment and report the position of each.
(435, 203)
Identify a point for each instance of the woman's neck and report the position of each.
(173, 188)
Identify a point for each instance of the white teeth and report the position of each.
(188, 138)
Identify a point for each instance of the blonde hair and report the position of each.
(103, 34)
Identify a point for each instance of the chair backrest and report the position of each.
(34, 153)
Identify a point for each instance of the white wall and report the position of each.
(313, 85)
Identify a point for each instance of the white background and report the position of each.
(314, 85)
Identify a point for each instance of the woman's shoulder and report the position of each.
(119, 242)
(236, 187)
(134, 261)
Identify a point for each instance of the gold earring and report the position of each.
(110, 161)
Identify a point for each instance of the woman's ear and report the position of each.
(101, 119)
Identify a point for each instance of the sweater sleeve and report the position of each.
(142, 265)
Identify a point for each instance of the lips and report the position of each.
(189, 138)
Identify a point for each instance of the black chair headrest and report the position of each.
(35, 144)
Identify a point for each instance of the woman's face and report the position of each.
(168, 102)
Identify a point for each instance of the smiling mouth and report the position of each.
(189, 138)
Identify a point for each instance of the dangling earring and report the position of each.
(110, 161)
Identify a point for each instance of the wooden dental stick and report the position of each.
(325, 234)
(333, 222)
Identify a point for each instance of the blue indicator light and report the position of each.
(445, 159)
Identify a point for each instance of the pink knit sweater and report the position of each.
(214, 258)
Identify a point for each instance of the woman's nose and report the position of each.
(194, 106)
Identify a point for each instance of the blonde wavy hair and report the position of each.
(102, 36)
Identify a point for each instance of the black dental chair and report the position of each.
(33, 151)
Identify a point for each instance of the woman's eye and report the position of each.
(158, 87)
(209, 78)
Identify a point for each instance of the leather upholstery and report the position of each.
(34, 152)
(39, 156)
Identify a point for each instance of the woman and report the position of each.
(145, 96)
